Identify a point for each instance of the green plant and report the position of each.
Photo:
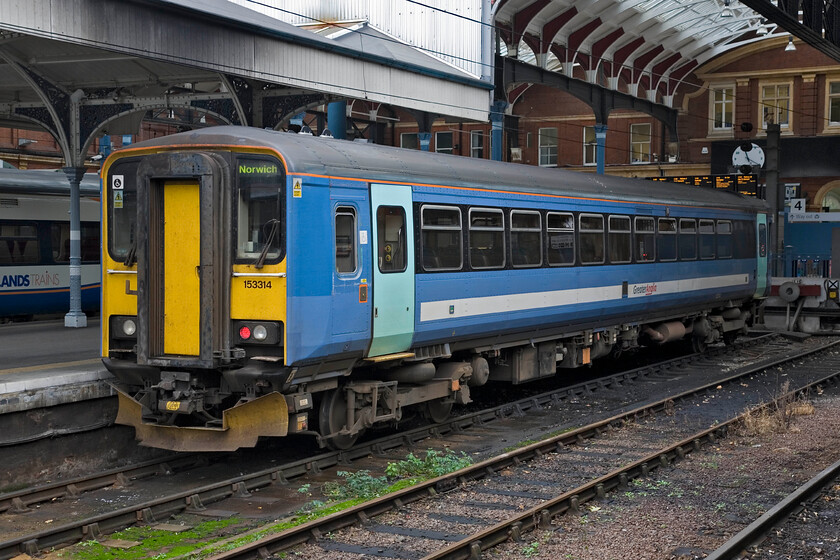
(434, 464)
(359, 484)
(532, 549)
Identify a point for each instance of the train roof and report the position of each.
(45, 181)
(342, 158)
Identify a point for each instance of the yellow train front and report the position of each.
(260, 284)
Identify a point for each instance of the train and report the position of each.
(35, 243)
(259, 283)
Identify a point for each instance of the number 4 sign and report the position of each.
(797, 205)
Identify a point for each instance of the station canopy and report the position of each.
(654, 38)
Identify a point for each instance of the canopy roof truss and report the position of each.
(646, 44)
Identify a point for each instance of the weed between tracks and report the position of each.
(213, 537)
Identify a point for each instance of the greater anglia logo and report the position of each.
(646, 290)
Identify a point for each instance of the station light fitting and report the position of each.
(790, 46)
(726, 12)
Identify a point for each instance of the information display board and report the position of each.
(744, 184)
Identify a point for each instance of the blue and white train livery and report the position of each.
(262, 284)
(35, 243)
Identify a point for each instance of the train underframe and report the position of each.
(200, 410)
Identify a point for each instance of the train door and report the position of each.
(393, 269)
(761, 255)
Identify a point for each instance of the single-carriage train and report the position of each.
(35, 243)
(259, 283)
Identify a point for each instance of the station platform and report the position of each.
(50, 378)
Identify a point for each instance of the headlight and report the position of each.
(123, 327)
(260, 333)
(129, 327)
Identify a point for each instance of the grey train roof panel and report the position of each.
(44, 181)
(342, 158)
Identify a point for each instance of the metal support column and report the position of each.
(600, 149)
(337, 119)
(75, 317)
(775, 195)
(497, 119)
(425, 140)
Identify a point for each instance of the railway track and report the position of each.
(197, 498)
(805, 516)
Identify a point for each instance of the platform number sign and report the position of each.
(797, 205)
(117, 187)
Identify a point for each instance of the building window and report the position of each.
(409, 140)
(723, 102)
(443, 142)
(441, 227)
(487, 238)
(590, 146)
(775, 105)
(640, 143)
(548, 147)
(834, 102)
(525, 238)
(560, 229)
(477, 144)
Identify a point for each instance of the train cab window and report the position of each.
(391, 238)
(19, 243)
(525, 238)
(487, 238)
(441, 237)
(345, 240)
(259, 231)
(666, 241)
(60, 240)
(591, 227)
(619, 240)
(121, 188)
(645, 239)
(560, 232)
(724, 239)
(688, 239)
(707, 239)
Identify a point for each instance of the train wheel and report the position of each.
(332, 417)
(438, 410)
(698, 345)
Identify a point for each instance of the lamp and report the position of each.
(762, 28)
(726, 12)
(790, 46)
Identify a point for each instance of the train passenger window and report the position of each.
(441, 228)
(762, 240)
(688, 239)
(487, 238)
(60, 238)
(19, 243)
(619, 241)
(560, 230)
(591, 238)
(259, 229)
(391, 238)
(667, 240)
(707, 239)
(724, 239)
(743, 239)
(525, 238)
(345, 240)
(645, 240)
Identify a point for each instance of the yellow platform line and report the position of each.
(51, 366)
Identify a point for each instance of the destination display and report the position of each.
(744, 184)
